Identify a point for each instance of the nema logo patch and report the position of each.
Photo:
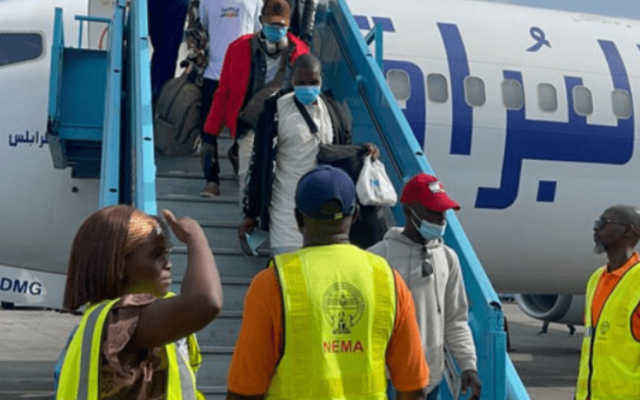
(343, 307)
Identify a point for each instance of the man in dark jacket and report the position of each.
(286, 148)
(166, 28)
(302, 18)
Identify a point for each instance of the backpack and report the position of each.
(176, 121)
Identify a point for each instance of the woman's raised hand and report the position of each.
(184, 228)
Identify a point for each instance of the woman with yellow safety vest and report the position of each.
(136, 339)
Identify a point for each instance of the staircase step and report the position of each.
(167, 164)
(226, 281)
(221, 208)
(231, 263)
(224, 235)
(179, 181)
(234, 291)
(223, 331)
(193, 162)
(213, 392)
(174, 184)
(224, 143)
(193, 175)
(215, 365)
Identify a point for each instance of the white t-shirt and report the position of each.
(226, 20)
(296, 155)
(273, 65)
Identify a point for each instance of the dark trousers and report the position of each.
(391, 392)
(166, 28)
(211, 167)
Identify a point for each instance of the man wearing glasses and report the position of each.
(610, 360)
(432, 272)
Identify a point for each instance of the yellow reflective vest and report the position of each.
(610, 359)
(80, 373)
(339, 310)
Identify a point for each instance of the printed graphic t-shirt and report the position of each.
(226, 20)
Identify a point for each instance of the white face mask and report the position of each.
(429, 230)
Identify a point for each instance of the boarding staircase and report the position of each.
(179, 179)
(131, 173)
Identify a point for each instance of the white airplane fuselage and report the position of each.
(531, 177)
(42, 207)
(530, 181)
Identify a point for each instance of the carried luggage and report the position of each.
(371, 224)
(177, 125)
(374, 188)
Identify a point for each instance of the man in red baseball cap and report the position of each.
(432, 271)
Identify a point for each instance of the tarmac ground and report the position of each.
(31, 339)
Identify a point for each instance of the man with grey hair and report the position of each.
(610, 360)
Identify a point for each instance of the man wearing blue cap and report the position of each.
(345, 314)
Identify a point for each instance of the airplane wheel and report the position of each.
(6, 305)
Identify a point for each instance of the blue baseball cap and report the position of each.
(319, 187)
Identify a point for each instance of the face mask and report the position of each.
(307, 94)
(274, 33)
(429, 230)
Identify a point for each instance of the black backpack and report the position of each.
(176, 121)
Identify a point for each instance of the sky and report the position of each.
(613, 8)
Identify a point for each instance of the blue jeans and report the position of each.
(435, 394)
(391, 391)
(166, 28)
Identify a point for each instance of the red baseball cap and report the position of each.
(427, 190)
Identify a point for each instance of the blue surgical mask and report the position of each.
(307, 94)
(429, 230)
(274, 33)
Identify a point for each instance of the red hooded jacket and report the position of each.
(234, 80)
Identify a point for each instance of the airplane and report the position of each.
(527, 116)
(42, 207)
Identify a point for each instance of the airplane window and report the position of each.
(19, 47)
(474, 91)
(398, 81)
(512, 94)
(582, 100)
(437, 88)
(547, 97)
(621, 103)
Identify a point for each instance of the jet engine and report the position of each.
(560, 308)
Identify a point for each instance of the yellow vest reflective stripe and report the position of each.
(195, 356)
(79, 376)
(610, 359)
(339, 312)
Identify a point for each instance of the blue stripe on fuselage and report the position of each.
(415, 110)
(462, 124)
(575, 140)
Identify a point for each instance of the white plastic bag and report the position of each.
(374, 188)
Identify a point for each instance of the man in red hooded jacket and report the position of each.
(255, 67)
